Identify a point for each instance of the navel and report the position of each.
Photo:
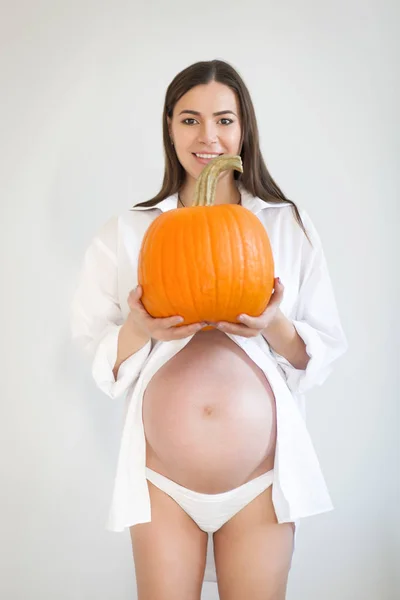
(208, 410)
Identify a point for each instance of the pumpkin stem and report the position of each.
(206, 184)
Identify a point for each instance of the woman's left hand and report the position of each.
(252, 326)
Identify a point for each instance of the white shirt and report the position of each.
(99, 308)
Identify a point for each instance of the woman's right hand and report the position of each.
(163, 329)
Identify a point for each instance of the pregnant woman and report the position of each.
(214, 442)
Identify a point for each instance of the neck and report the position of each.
(227, 192)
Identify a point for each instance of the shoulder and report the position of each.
(310, 228)
(289, 216)
(103, 240)
(130, 219)
(135, 221)
(107, 231)
(286, 233)
(281, 215)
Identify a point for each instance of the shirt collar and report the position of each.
(253, 203)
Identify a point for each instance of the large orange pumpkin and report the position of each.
(206, 262)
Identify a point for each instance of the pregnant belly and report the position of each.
(209, 416)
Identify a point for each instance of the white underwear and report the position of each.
(211, 511)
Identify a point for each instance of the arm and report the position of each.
(115, 354)
(129, 342)
(284, 340)
(315, 321)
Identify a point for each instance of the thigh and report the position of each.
(253, 553)
(169, 552)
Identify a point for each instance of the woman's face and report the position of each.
(195, 128)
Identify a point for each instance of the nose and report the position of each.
(208, 133)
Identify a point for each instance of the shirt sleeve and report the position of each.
(316, 318)
(96, 317)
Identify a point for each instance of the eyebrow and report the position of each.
(216, 114)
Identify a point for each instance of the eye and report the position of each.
(227, 121)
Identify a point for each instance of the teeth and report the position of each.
(207, 155)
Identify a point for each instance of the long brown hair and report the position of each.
(255, 177)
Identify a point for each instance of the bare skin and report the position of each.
(222, 432)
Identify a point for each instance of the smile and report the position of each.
(205, 158)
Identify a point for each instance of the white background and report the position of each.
(82, 89)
